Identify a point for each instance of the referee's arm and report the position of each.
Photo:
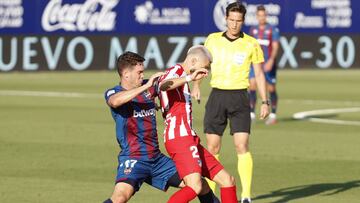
(260, 82)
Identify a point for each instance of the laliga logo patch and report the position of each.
(147, 94)
(127, 171)
(220, 13)
(199, 162)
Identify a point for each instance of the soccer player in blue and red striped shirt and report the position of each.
(268, 37)
(134, 112)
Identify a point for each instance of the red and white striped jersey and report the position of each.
(176, 106)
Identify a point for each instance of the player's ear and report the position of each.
(193, 61)
(125, 73)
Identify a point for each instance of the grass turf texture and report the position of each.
(63, 149)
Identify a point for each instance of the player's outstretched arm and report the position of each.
(173, 83)
(123, 97)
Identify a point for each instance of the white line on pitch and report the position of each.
(307, 115)
(322, 102)
(94, 95)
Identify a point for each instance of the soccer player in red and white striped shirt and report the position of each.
(192, 160)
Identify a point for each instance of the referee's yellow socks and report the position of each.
(211, 183)
(245, 169)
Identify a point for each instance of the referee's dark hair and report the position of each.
(236, 7)
(128, 60)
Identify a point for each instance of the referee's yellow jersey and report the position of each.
(231, 60)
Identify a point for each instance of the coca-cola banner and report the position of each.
(170, 17)
(99, 52)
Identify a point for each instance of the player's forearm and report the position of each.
(260, 81)
(197, 83)
(275, 50)
(123, 97)
(171, 84)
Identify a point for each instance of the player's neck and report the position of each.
(126, 85)
(231, 36)
(185, 66)
(262, 26)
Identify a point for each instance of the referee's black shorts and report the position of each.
(227, 104)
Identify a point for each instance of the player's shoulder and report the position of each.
(112, 91)
(249, 38)
(253, 27)
(272, 27)
(215, 35)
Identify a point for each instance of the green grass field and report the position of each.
(62, 147)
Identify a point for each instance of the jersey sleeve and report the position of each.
(207, 44)
(171, 73)
(109, 93)
(275, 34)
(257, 55)
(251, 31)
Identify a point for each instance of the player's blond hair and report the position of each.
(200, 50)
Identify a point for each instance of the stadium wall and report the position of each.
(63, 35)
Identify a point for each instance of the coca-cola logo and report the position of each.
(92, 15)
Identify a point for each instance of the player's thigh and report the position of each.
(122, 192)
(164, 173)
(239, 112)
(185, 154)
(270, 77)
(133, 172)
(210, 165)
(215, 118)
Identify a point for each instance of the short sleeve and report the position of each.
(276, 34)
(257, 55)
(109, 93)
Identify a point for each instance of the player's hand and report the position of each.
(268, 65)
(153, 78)
(264, 111)
(198, 74)
(196, 93)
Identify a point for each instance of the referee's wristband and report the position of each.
(188, 78)
(267, 102)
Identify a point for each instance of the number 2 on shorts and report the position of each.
(194, 150)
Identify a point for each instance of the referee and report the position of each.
(233, 52)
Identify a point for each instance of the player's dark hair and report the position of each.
(236, 7)
(260, 8)
(128, 60)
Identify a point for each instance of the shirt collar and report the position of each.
(241, 35)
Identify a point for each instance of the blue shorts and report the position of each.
(156, 172)
(270, 77)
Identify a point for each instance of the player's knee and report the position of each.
(228, 181)
(224, 179)
(242, 148)
(120, 197)
(196, 186)
(214, 148)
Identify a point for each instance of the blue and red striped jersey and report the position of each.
(265, 37)
(136, 124)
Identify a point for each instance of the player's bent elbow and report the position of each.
(113, 103)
